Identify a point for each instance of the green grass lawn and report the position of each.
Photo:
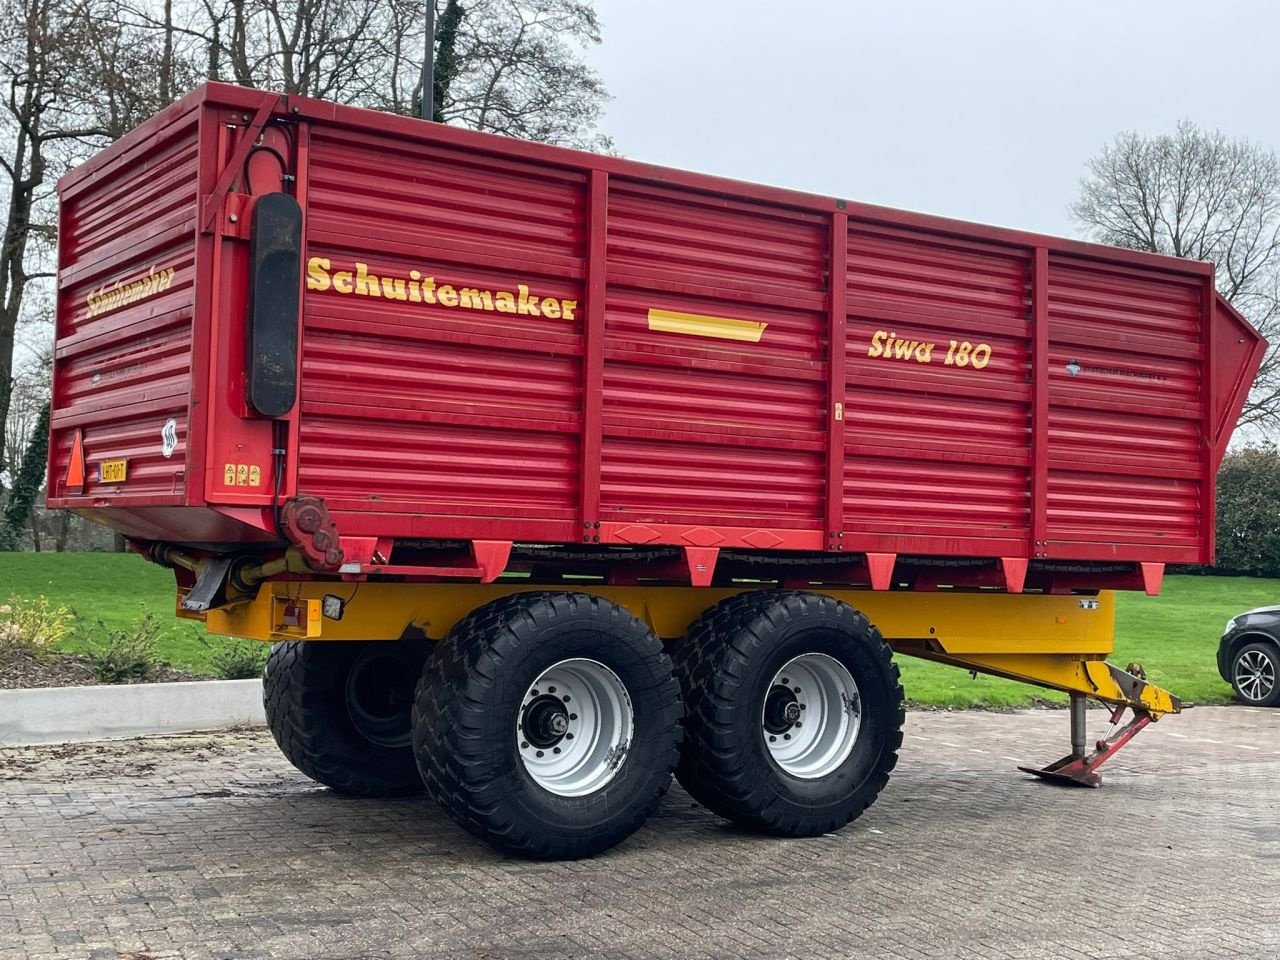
(1174, 635)
(114, 588)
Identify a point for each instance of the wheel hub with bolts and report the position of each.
(1255, 675)
(812, 716)
(781, 710)
(575, 727)
(545, 721)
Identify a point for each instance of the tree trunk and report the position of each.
(446, 67)
(17, 230)
(6, 387)
(166, 59)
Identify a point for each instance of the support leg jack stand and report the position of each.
(1079, 769)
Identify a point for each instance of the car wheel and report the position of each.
(1255, 674)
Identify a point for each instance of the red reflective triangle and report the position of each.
(75, 469)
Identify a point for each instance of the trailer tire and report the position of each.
(336, 710)
(730, 666)
(497, 750)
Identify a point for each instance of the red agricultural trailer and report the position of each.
(549, 473)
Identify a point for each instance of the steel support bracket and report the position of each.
(209, 585)
(212, 204)
(1081, 769)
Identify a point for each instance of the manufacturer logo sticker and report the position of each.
(169, 438)
(1075, 368)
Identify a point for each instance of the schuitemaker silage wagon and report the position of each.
(549, 473)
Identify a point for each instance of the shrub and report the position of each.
(239, 659)
(125, 656)
(32, 625)
(1248, 540)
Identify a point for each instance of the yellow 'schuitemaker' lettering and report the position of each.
(415, 288)
(110, 297)
(318, 273)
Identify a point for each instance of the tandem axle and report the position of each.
(785, 687)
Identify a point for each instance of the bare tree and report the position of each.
(504, 66)
(1203, 196)
(29, 393)
(400, 47)
(38, 58)
(76, 74)
(331, 49)
(129, 73)
(517, 71)
(317, 48)
(76, 77)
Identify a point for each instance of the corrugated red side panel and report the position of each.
(126, 294)
(432, 399)
(699, 429)
(1126, 409)
(937, 424)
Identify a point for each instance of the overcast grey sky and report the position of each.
(984, 110)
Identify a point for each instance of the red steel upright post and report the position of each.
(1039, 402)
(1208, 485)
(302, 187)
(593, 353)
(837, 387)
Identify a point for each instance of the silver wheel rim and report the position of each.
(1255, 675)
(574, 727)
(812, 716)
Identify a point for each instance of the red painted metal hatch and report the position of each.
(508, 341)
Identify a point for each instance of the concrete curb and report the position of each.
(110, 712)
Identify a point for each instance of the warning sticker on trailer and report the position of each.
(241, 475)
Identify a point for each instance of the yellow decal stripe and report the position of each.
(696, 325)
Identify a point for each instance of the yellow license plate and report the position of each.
(114, 471)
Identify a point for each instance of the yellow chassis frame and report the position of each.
(1056, 642)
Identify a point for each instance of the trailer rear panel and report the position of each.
(507, 341)
(127, 290)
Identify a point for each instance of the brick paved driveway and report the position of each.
(211, 846)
